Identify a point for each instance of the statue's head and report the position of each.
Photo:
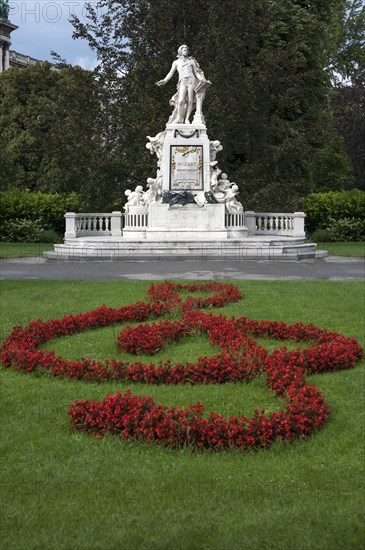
(183, 50)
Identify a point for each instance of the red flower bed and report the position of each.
(240, 359)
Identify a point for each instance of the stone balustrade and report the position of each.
(235, 221)
(281, 224)
(136, 221)
(112, 224)
(93, 224)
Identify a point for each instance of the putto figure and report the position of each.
(191, 88)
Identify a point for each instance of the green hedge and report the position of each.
(322, 208)
(46, 208)
(21, 230)
(346, 230)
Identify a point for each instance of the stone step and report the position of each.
(240, 250)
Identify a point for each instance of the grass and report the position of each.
(25, 250)
(356, 249)
(66, 490)
(22, 250)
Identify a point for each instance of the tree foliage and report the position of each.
(348, 73)
(53, 132)
(322, 208)
(270, 62)
(349, 121)
(347, 59)
(269, 103)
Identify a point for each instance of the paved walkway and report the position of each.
(331, 268)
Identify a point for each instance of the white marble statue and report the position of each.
(222, 184)
(233, 206)
(214, 178)
(155, 145)
(225, 191)
(215, 148)
(154, 192)
(191, 88)
(135, 198)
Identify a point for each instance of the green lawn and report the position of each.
(23, 250)
(66, 490)
(344, 249)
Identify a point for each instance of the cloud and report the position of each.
(44, 26)
(86, 62)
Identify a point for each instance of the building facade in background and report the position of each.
(10, 58)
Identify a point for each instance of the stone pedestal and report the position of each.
(186, 158)
(186, 223)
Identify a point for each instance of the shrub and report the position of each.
(320, 236)
(322, 208)
(48, 208)
(50, 236)
(21, 230)
(347, 229)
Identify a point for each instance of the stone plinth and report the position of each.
(186, 223)
(186, 154)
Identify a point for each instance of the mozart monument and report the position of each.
(188, 208)
(189, 197)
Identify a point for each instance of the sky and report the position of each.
(44, 26)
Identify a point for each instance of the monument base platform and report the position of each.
(125, 249)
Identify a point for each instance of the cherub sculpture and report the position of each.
(135, 198)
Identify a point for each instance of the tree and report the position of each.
(270, 100)
(349, 121)
(54, 133)
(348, 74)
(26, 99)
(347, 59)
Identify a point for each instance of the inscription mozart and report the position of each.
(186, 168)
